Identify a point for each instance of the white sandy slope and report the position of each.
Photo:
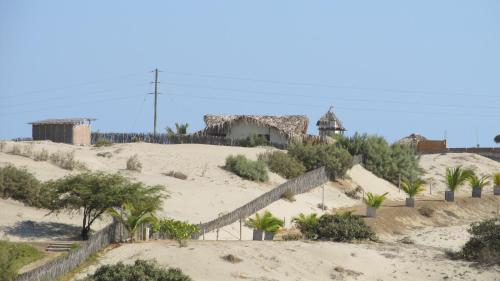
(435, 165)
(297, 260)
(209, 190)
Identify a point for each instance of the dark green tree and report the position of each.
(93, 194)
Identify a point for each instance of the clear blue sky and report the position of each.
(389, 67)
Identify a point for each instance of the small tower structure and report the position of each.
(330, 124)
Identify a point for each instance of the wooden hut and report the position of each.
(329, 123)
(72, 130)
(275, 129)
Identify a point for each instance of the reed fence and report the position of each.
(56, 268)
(301, 184)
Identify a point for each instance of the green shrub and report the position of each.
(103, 142)
(248, 169)
(288, 196)
(307, 224)
(19, 184)
(384, 160)
(178, 230)
(496, 179)
(484, 243)
(254, 140)
(336, 159)
(342, 227)
(133, 163)
(13, 256)
(141, 270)
(283, 164)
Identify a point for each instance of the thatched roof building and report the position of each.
(277, 129)
(329, 123)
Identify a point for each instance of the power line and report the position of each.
(76, 85)
(332, 85)
(324, 97)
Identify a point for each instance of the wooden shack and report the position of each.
(75, 131)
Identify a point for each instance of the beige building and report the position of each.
(275, 129)
(75, 131)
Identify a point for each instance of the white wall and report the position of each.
(242, 130)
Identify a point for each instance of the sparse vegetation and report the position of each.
(134, 164)
(426, 211)
(266, 222)
(42, 155)
(19, 184)
(254, 140)
(484, 244)
(231, 258)
(178, 230)
(354, 193)
(3, 145)
(94, 194)
(307, 224)
(16, 150)
(177, 175)
(141, 270)
(247, 169)
(336, 159)
(343, 227)
(13, 256)
(283, 164)
(66, 160)
(103, 143)
(288, 196)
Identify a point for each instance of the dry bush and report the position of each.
(27, 150)
(177, 175)
(66, 160)
(354, 193)
(291, 236)
(42, 155)
(134, 164)
(16, 150)
(106, 154)
(288, 196)
(426, 211)
(3, 145)
(231, 258)
(103, 143)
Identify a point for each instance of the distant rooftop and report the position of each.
(72, 121)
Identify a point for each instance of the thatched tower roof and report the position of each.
(412, 139)
(291, 126)
(330, 122)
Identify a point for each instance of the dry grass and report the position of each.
(3, 145)
(288, 196)
(133, 163)
(66, 160)
(42, 155)
(231, 258)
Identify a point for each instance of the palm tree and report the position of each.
(131, 216)
(180, 129)
(265, 223)
(454, 178)
(374, 201)
(496, 181)
(477, 184)
(307, 224)
(412, 188)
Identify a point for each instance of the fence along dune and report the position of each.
(59, 266)
(301, 184)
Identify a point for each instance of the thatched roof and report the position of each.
(412, 139)
(330, 121)
(289, 125)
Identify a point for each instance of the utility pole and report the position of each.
(156, 101)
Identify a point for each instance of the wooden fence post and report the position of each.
(240, 228)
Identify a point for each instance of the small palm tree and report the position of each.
(496, 181)
(307, 224)
(180, 129)
(133, 215)
(412, 188)
(374, 201)
(454, 178)
(477, 183)
(267, 222)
